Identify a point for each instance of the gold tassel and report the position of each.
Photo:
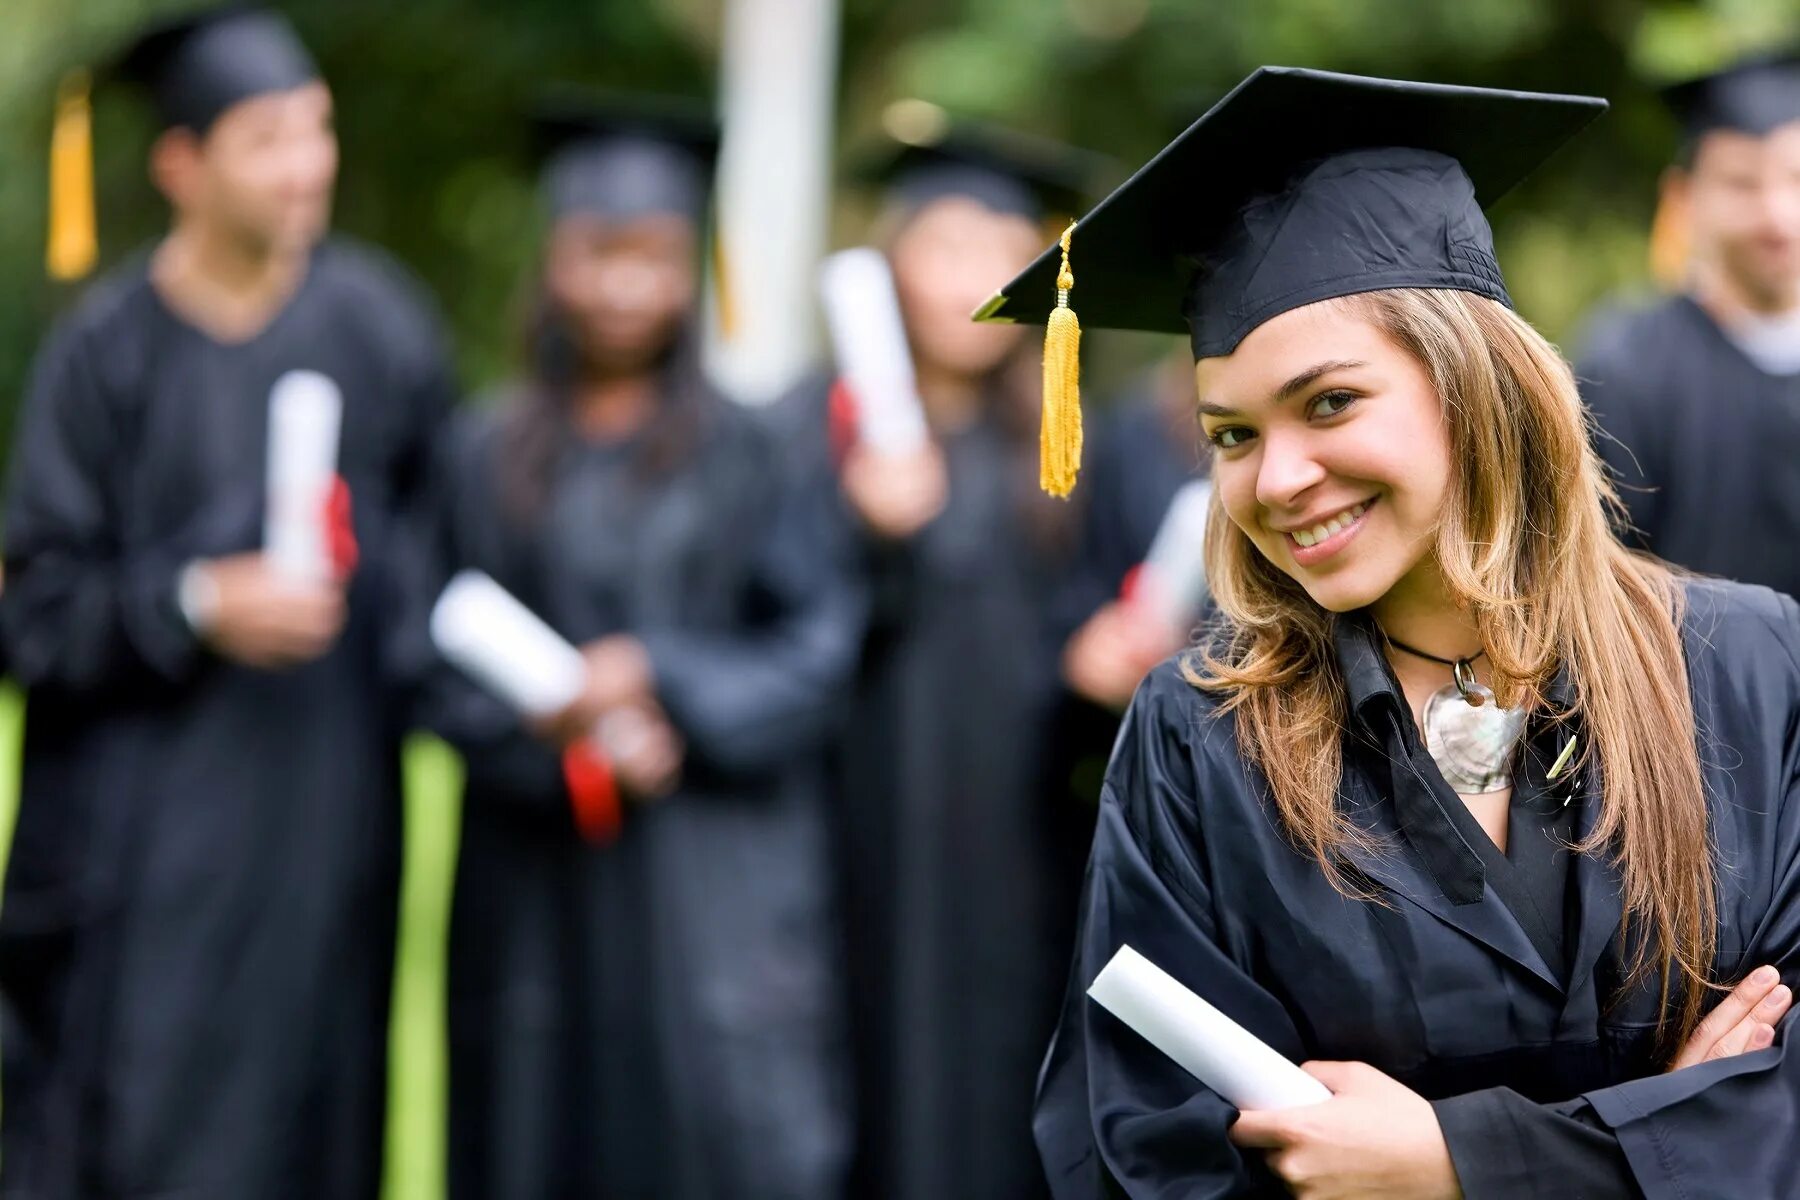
(1669, 241)
(723, 294)
(1060, 437)
(72, 245)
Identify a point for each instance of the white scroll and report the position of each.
(1209, 1045)
(1172, 582)
(484, 631)
(874, 360)
(305, 415)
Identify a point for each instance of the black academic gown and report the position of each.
(1136, 463)
(655, 1019)
(946, 851)
(1701, 441)
(1455, 982)
(197, 936)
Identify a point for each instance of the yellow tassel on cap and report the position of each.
(72, 246)
(1060, 439)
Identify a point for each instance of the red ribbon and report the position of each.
(340, 530)
(843, 420)
(593, 793)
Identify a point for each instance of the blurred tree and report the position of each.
(435, 168)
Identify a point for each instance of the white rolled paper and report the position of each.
(483, 630)
(1205, 1042)
(874, 360)
(1172, 581)
(305, 415)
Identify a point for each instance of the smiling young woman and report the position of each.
(1460, 800)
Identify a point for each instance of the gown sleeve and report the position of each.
(1114, 1116)
(81, 611)
(748, 699)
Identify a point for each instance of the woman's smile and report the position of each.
(1314, 543)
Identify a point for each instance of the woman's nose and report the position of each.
(1287, 468)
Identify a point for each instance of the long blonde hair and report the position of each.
(1525, 544)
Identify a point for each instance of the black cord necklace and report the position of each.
(1469, 736)
(1462, 670)
(1397, 644)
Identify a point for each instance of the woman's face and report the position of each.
(1333, 455)
(623, 286)
(945, 262)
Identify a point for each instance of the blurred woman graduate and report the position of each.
(1462, 801)
(642, 1002)
(946, 851)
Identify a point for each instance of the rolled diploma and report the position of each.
(868, 338)
(1174, 572)
(1209, 1045)
(305, 415)
(482, 629)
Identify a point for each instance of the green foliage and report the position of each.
(436, 167)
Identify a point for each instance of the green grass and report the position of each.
(415, 1129)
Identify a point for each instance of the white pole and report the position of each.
(778, 76)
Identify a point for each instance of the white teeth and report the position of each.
(1323, 530)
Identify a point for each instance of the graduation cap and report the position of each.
(930, 155)
(1298, 186)
(624, 155)
(194, 67)
(1754, 96)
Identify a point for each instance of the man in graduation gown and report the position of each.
(196, 946)
(1698, 396)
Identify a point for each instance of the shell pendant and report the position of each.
(1470, 737)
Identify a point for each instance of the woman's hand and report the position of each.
(1744, 1020)
(619, 675)
(1111, 653)
(1375, 1137)
(895, 496)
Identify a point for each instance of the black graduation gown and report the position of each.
(1442, 986)
(1136, 463)
(947, 856)
(656, 1018)
(197, 936)
(1702, 442)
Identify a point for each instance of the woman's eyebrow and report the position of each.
(1286, 391)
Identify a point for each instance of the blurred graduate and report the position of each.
(1487, 821)
(201, 899)
(1698, 395)
(946, 847)
(642, 994)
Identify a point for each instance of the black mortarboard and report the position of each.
(1298, 186)
(1753, 96)
(929, 156)
(198, 65)
(625, 156)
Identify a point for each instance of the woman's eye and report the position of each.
(1229, 437)
(1330, 404)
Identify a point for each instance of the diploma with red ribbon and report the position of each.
(874, 361)
(306, 533)
(486, 632)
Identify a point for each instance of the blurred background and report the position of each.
(435, 169)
